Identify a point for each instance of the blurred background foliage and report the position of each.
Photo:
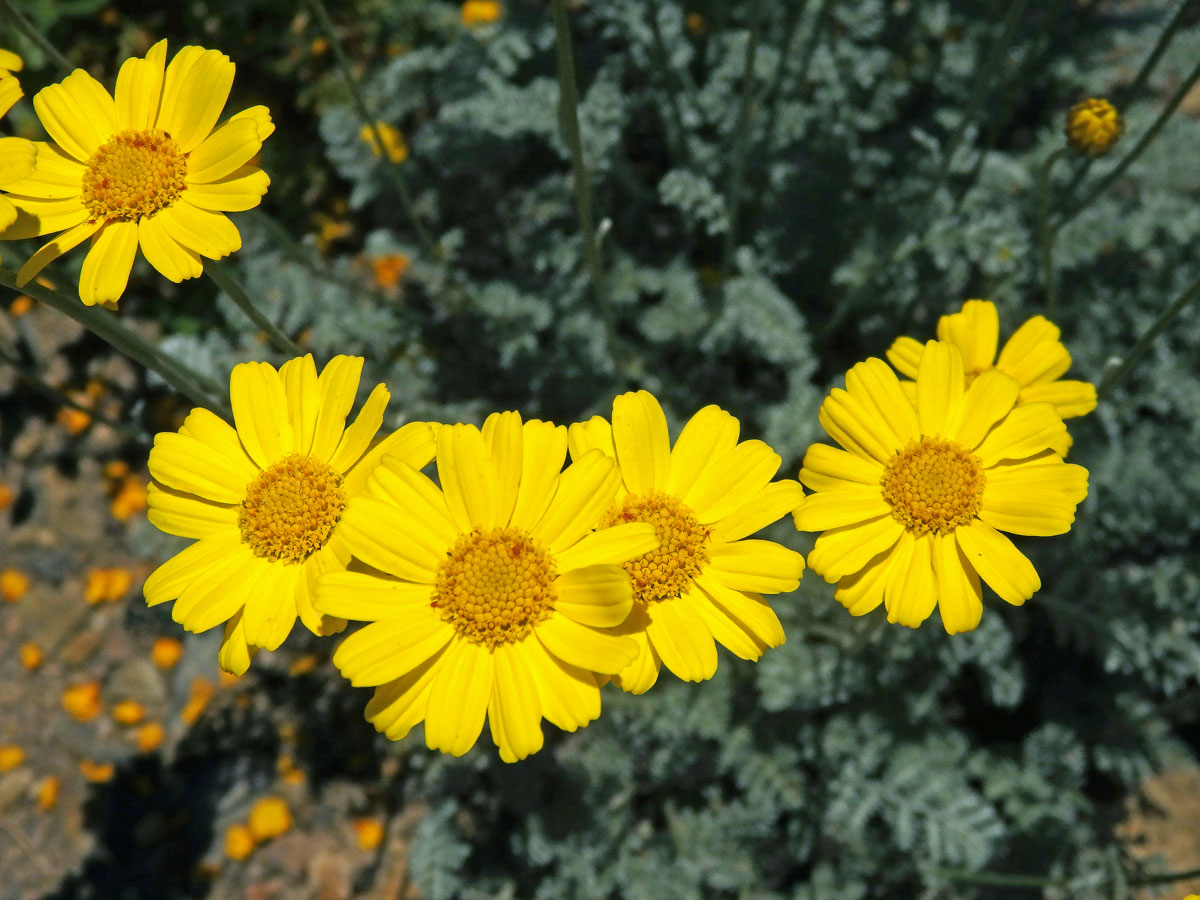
(783, 188)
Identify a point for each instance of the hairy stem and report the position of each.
(226, 281)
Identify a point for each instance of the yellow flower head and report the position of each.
(393, 141)
(263, 499)
(1034, 356)
(494, 595)
(269, 818)
(1093, 126)
(481, 12)
(913, 507)
(147, 169)
(703, 497)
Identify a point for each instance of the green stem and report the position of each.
(741, 150)
(568, 121)
(52, 393)
(1143, 343)
(428, 244)
(108, 327)
(226, 281)
(1139, 148)
(35, 36)
(1046, 236)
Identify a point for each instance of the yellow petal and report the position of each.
(419, 498)
(234, 655)
(960, 597)
(194, 563)
(209, 602)
(989, 399)
(753, 565)
(515, 709)
(391, 539)
(940, 385)
(139, 88)
(270, 611)
(771, 504)
(732, 480)
(585, 490)
(261, 116)
(1005, 569)
(544, 447)
(975, 331)
(45, 255)
(18, 159)
(396, 707)
(594, 434)
(612, 546)
(727, 632)
(587, 648)
(369, 598)
(1070, 398)
(211, 234)
(77, 113)
(11, 61)
(459, 698)
(390, 649)
(358, 435)
(37, 217)
(187, 515)
(240, 191)
(905, 356)
(877, 389)
(849, 423)
(468, 477)
(840, 507)
(708, 435)
(1010, 508)
(413, 444)
(260, 412)
(569, 695)
(106, 266)
(173, 261)
(1024, 432)
(1034, 354)
(223, 152)
(211, 429)
(196, 86)
(827, 468)
(338, 385)
(503, 435)
(843, 551)
(303, 392)
(641, 674)
(600, 596)
(682, 641)
(642, 441)
(749, 611)
(910, 594)
(189, 465)
(862, 592)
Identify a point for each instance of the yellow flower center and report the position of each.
(1093, 126)
(682, 545)
(494, 586)
(134, 174)
(290, 509)
(933, 485)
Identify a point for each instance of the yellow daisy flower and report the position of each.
(1093, 126)
(493, 596)
(913, 507)
(263, 499)
(1034, 356)
(703, 496)
(147, 169)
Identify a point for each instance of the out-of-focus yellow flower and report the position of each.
(129, 499)
(149, 737)
(21, 306)
(288, 770)
(82, 701)
(47, 794)
(1093, 126)
(481, 12)
(389, 269)
(369, 833)
(319, 46)
(128, 712)
(73, 419)
(13, 585)
(115, 470)
(11, 756)
(393, 141)
(97, 772)
(269, 818)
(107, 585)
(199, 695)
(696, 25)
(239, 842)
(166, 652)
(304, 664)
(330, 229)
(7, 496)
(31, 656)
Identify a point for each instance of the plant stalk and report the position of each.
(741, 151)
(1046, 236)
(225, 280)
(35, 36)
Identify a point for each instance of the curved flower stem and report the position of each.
(568, 123)
(35, 36)
(30, 377)
(741, 150)
(1139, 148)
(200, 390)
(1138, 350)
(219, 273)
(1045, 235)
(428, 244)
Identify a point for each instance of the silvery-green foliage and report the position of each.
(860, 759)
